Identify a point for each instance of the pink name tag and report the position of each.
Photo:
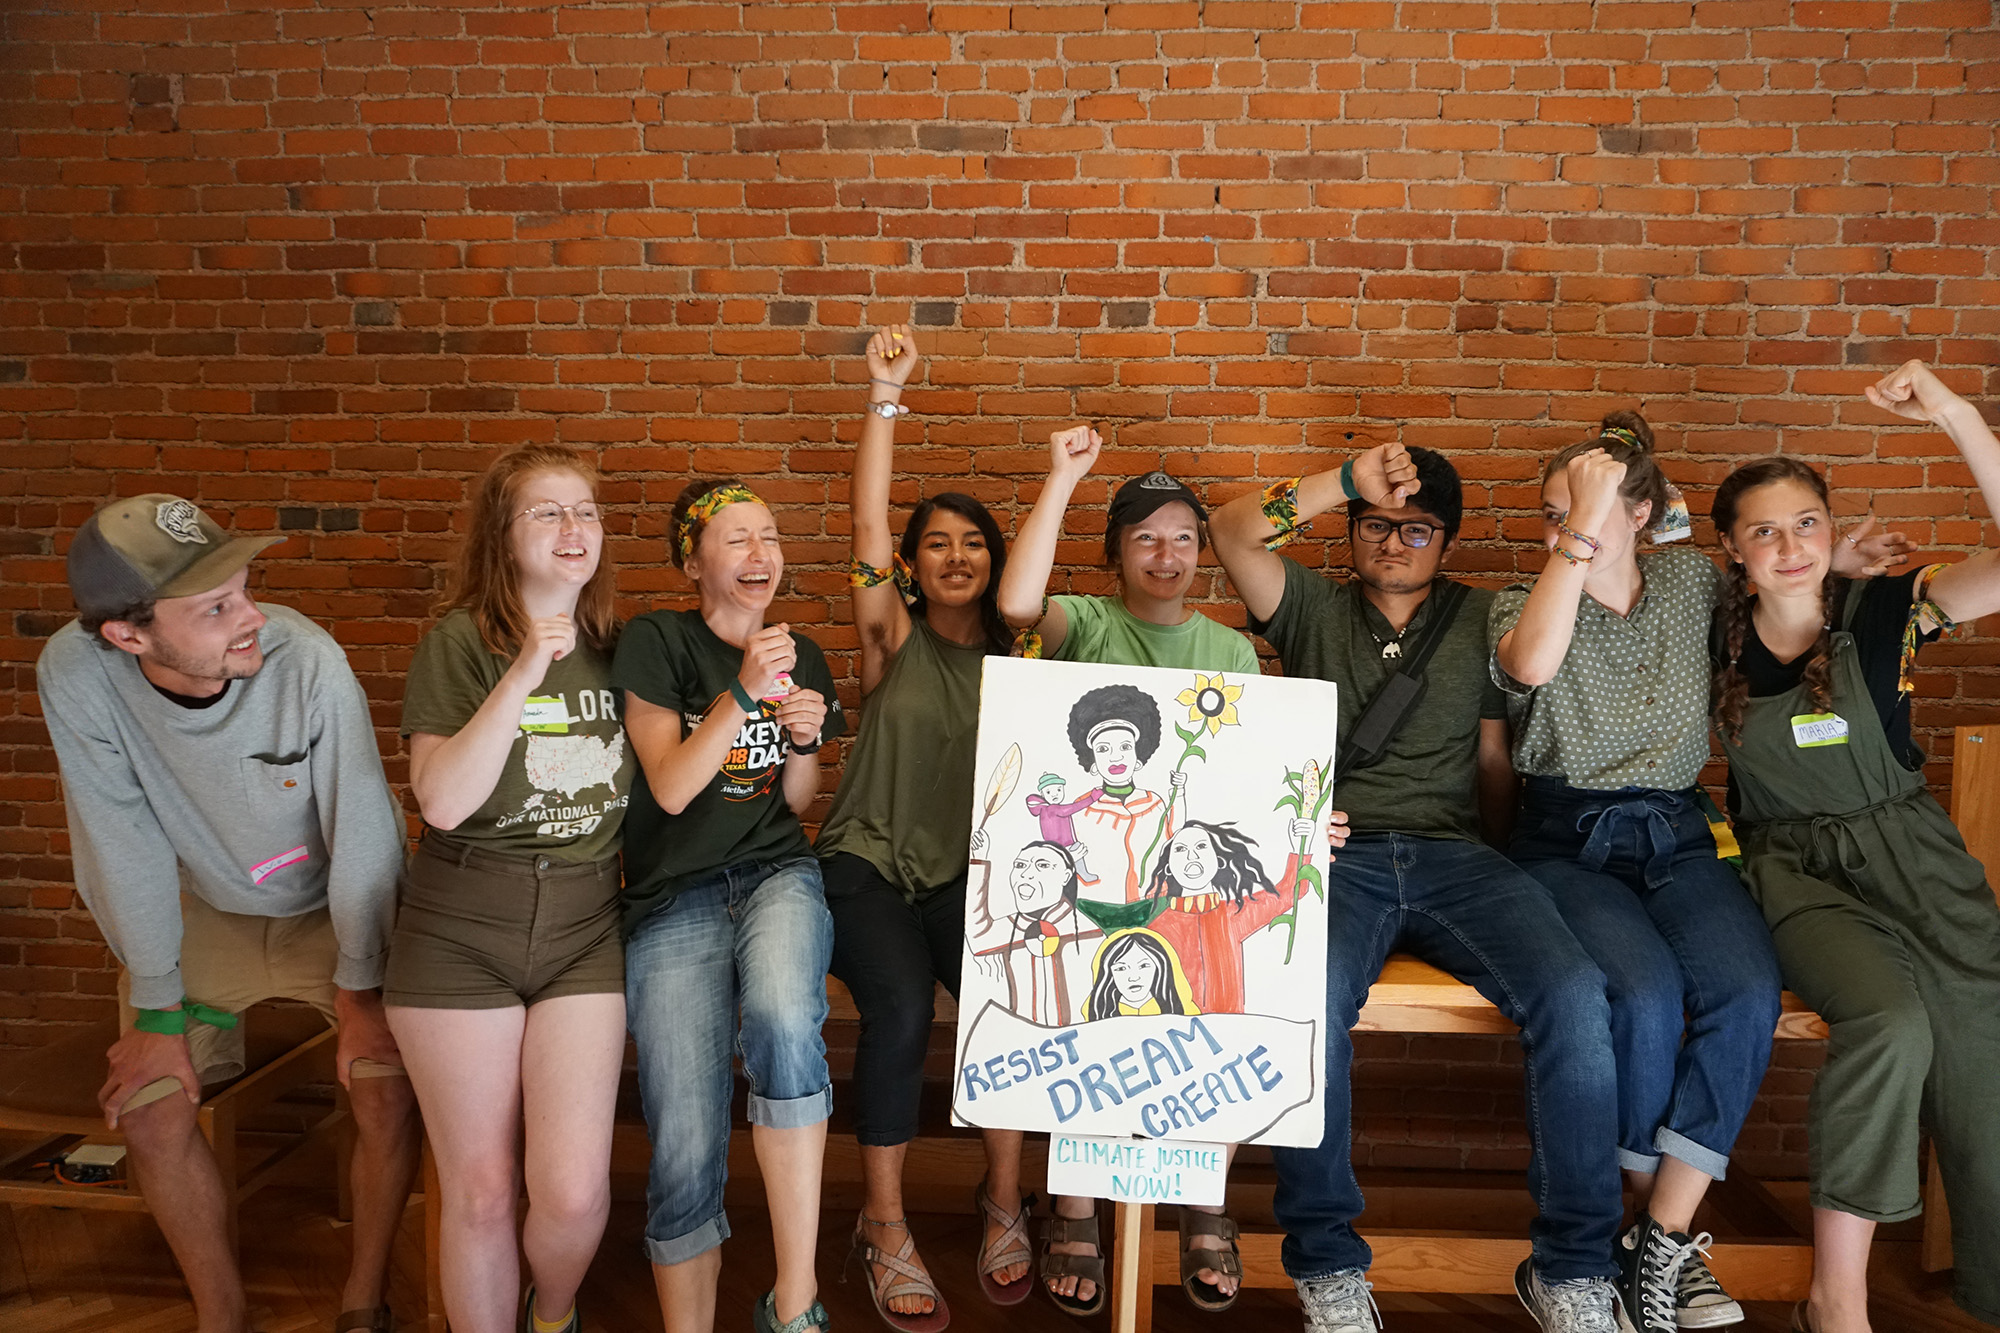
(258, 874)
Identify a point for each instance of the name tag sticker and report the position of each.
(1810, 730)
(546, 715)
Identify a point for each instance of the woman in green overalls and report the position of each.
(1883, 922)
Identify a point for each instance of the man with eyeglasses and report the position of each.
(1422, 775)
(233, 835)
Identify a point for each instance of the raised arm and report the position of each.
(880, 617)
(1025, 585)
(1239, 530)
(1533, 651)
(1971, 588)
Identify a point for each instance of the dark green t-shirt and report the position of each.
(1427, 783)
(673, 659)
(905, 799)
(569, 775)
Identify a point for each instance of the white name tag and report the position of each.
(1137, 1170)
(1815, 729)
(544, 714)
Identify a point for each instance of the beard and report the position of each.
(1396, 583)
(216, 667)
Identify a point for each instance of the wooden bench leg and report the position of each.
(1132, 1276)
(1935, 1252)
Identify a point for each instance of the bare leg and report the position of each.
(466, 1067)
(792, 1161)
(387, 1140)
(1839, 1300)
(1224, 1285)
(882, 1175)
(1677, 1191)
(1003, 1187)
(174, 1169)
(687, 1290)
(1081, 1288)
(570, 1056)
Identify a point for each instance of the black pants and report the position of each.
(890, 954)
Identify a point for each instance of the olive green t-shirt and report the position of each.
(1102, 630)
(674, 660)
(564, 789)
(905, 800)
(1427, 783)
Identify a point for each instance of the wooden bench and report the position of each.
(48, 1105)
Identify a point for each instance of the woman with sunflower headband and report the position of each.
(1605, 664)
(893, 849)
(1154, 540)
(724, 908)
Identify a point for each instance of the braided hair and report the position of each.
(1731, 687)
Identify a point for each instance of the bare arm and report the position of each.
(451, 776)
(1026, 582)
(1533, 651)
(1499, 789)
(1971, 588)
(1384, 475)
(880, 617)
(679, 769)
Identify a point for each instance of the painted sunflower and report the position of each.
(1211, 703)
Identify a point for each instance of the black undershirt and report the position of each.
(1878, 639)
(189, 700)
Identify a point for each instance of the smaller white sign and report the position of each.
(1138, 1170)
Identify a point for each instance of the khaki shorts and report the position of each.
(231, 962)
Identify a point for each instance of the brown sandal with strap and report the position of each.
(1206, 1295)
(1010, 1247)
(886, 1268)
(1085, 1267)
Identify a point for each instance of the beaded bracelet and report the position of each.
(1564, 529)
(1281, 508)
(1574, 559)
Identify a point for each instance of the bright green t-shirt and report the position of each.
(1102, 630)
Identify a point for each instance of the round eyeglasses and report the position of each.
(1415, 535)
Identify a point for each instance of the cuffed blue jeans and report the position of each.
(755, 937)
(1688, 963)
(1465, 908)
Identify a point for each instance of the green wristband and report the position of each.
(166, 1022)
(743, 699)
(1347, 487)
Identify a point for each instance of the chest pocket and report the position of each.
(277, 788)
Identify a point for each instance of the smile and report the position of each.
(244, 645)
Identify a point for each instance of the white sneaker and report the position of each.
(1341, 1303)
(1582, 1305)
(1699, 1300)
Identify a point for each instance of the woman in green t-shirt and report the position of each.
(1154, 540)
(506, 976)
(725, 913)
(893, 849)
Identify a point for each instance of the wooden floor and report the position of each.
(67, 1271)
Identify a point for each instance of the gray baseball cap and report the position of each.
(149, 547)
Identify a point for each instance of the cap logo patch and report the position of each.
(180, 520)
(1158, 481)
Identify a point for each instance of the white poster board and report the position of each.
(1145, 947)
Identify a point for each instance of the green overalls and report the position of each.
(1886, 926)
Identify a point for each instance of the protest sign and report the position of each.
(1134, 1171)
(1145, 948)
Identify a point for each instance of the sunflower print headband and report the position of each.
(707, 507)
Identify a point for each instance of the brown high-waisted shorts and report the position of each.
(486, 930)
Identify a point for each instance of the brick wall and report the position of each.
(313, 265)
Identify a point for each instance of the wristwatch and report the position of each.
(819, 739)
(888, 411)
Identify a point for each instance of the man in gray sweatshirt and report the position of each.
(234, 837)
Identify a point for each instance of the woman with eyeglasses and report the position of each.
(1605, 663)
(506, 975)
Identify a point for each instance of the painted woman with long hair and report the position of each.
(1136, 974)
(506, 980)
(1883, 923)
(1214, 894)
(893, 850)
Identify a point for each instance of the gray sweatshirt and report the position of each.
(271, 802)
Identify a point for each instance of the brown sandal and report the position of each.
(1205, 1295)
(1087, 1267)
(1010, 1247)
(883, 1285)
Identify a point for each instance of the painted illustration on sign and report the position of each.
(1149, 957)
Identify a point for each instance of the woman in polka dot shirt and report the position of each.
(1605, 662)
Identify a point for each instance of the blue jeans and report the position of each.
(1463, 907)
(1687, 960)
(755, 936)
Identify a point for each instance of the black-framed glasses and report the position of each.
(1416, 535)
(549, 513)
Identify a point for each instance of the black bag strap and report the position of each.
(1368, 739)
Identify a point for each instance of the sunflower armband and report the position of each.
(861, 574)
(1281, 507)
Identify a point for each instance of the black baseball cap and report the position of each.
(1139, 498)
